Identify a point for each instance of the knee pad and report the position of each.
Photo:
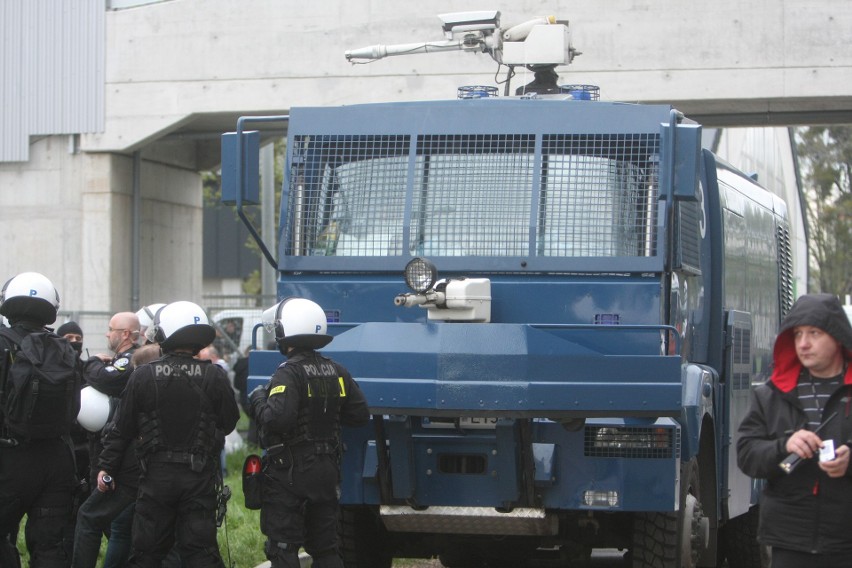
(144, 559)
(198, 527)
(202, 559)
(282, 554)
(11, 513)
(9, 552)
(51, 531)
(327, 559)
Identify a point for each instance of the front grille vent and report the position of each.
(631, 442)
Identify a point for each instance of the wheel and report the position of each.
(673, 540)
(364, 539)
(739, 538)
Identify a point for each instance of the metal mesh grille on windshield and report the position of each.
(473, 195)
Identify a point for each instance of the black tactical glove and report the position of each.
(257, 397)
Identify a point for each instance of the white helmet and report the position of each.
(94, 409)
(29, 296)
(146, 320)
(297, 322)
(182, 324)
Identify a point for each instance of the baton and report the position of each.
(792, 461)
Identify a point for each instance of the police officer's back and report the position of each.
(299, 414)
(37, 475)
(180, 409)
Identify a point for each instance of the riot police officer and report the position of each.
(37, 476)
(108, 373)
(299, 414)
(146, 321)
(179, 408)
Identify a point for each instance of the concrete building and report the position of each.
(99, 173)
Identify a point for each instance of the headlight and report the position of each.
(420, 275)
(601, 498)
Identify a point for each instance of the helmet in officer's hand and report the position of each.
(297, 322)
(29, 296)
(94, 409)
(182, 325)
(146, 321)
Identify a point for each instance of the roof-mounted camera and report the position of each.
(462, 22)
(540, 44)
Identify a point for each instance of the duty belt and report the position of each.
(303, 448)
(196, 461)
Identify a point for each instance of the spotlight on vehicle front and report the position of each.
(420, 275)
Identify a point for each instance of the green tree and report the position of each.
(825, 159)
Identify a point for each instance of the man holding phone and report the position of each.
(797, 434)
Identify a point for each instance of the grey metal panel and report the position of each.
(52, 68)
(122, 4)
(13, 141)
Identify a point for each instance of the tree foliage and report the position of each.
(825, 159)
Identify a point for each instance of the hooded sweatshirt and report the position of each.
(818, 310)
(805, 510)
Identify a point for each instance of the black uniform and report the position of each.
(100, 513)
(37, 478)
(307, 400)
(110, 379)
(107, 513)
(180, 409)
(807, 511)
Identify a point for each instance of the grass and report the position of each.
(240, 535)
(240, 539)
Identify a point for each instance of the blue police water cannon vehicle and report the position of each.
(556, 307)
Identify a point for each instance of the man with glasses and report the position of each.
(108, 373)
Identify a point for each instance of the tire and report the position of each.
(739, 538)
(673, 540)
(654, 540)
(364, 539)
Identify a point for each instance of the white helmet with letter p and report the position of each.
(183, 325)
(297, 322)
(29, 296)
(146, 320)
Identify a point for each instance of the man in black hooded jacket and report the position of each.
(806, 514)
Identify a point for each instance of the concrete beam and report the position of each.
(170, 65)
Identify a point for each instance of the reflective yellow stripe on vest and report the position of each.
(339, 380)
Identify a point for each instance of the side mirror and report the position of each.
(684, 162)
(248, 169)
